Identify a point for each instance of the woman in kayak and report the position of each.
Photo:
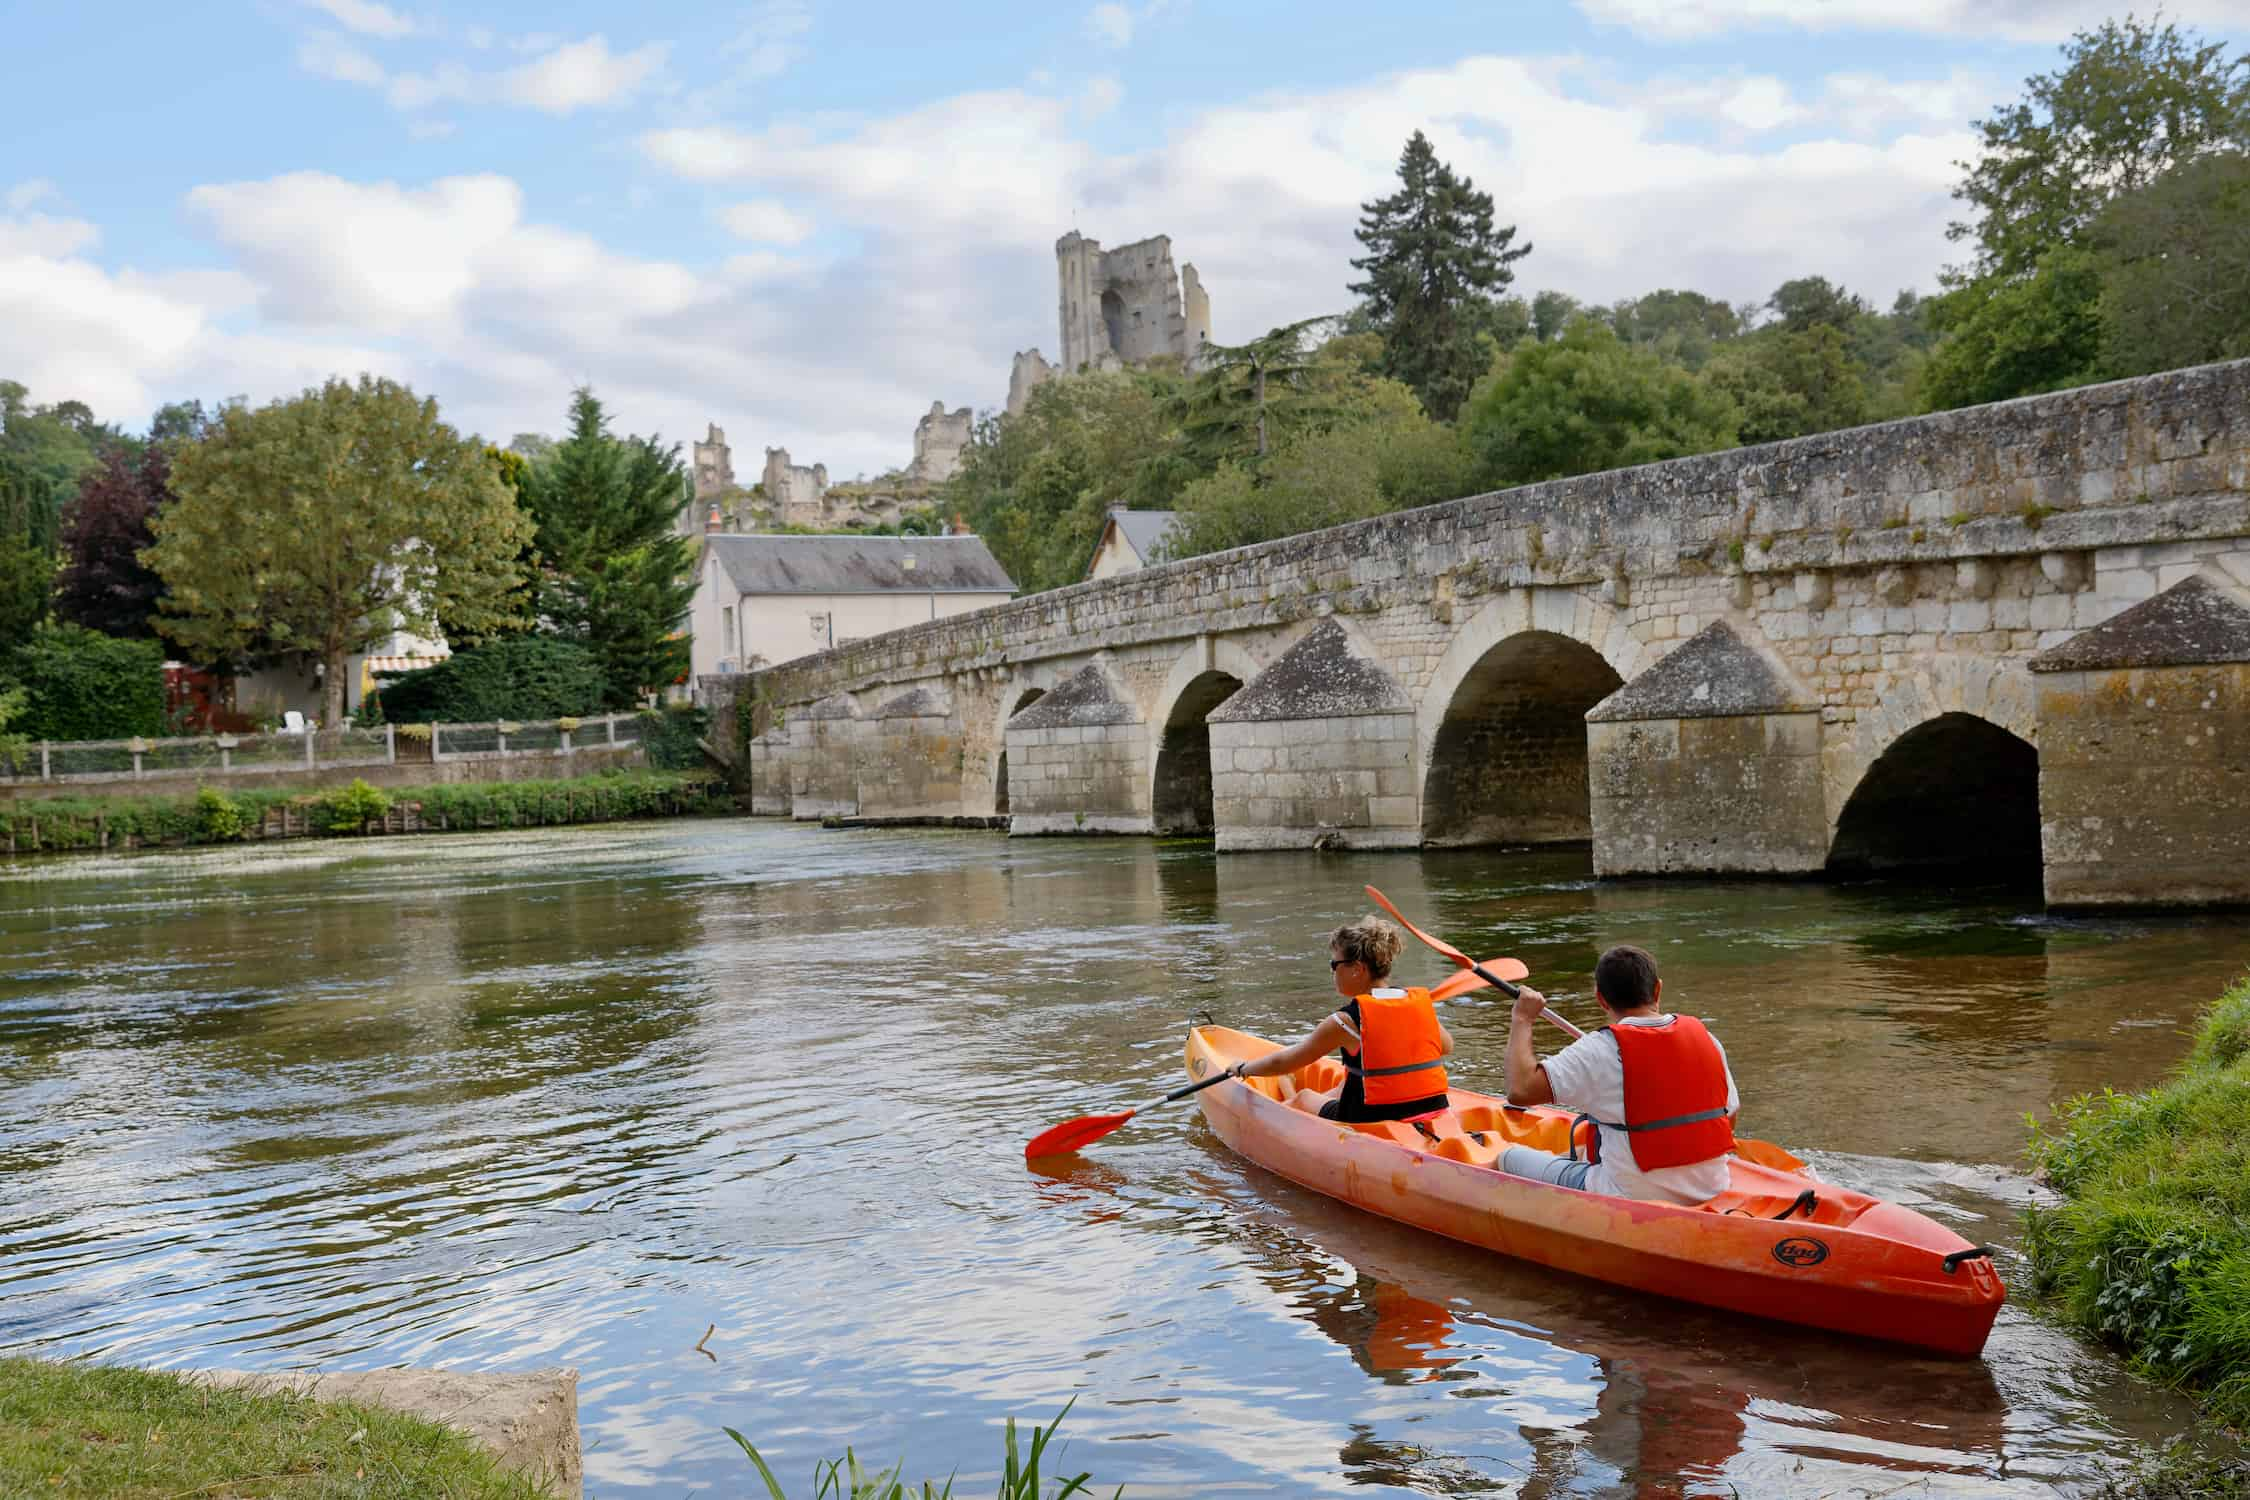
(1391, 1038)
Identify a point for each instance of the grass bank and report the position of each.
(219, 816)
(2150, 1249)
(85, 1432)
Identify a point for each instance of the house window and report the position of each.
(727, 643)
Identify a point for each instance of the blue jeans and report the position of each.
(1543, 1166)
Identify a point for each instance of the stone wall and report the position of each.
(939, 440)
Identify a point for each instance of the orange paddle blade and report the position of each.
(1061, 1140)
(1510, 969)
(1767, 1154)
(1442, 946)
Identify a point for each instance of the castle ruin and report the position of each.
(939, 440)
(714, 466)
(1118, 307)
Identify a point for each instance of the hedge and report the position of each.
(79, 684)
(515, 677)
(216, 816)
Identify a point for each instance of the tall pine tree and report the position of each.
(616, 574)
(1435, 266)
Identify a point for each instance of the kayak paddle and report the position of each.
(1469, 965)
(1060, 1140)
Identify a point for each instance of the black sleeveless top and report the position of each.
(1351, 1105)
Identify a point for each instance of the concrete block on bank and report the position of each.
(528, 1420)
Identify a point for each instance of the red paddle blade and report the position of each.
(1510, 969)
(1439, 944)
(1061, 1140)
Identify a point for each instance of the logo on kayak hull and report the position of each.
(1198, 1066)
(1800, 1251)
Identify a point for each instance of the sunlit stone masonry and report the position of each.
(2012, 637)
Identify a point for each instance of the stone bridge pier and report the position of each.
(2013, 640)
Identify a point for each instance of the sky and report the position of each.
(806, 221)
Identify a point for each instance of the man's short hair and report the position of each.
(1626, 977)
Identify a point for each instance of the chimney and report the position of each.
(711, 525)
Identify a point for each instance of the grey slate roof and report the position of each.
(2189, 624)
(1321, 677)
(1715, 674)
(1143, 529)
(858, 564)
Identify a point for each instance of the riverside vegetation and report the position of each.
(212, 816)
(85, 1432)
(2150, 1249)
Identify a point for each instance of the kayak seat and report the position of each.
(1830, 1206)
(1395, 1131)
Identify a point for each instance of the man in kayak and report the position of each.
(1657, 1087)
(1391, 1038)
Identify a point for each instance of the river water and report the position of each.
(572, 1098)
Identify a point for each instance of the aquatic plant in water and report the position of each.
(847, 1478)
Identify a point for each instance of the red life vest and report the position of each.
(1399, 1045)
(1675, 1094)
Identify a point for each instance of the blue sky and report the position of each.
(806, 221)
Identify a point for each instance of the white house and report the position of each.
(764, 599)
(1130, 539)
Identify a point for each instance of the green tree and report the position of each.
(1587, 402)
(27, 585)
(616, 574)
(1246, 396)
(1377, 452)
(320, 524)
(1680, 325)
(2133, 100)
(1036, 486)
(1786, 384)
(2176, 269)
(1811, 302)
(1434, 263)
(1551, 313)
(2018, 338)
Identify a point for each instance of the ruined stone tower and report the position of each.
(714, 465)
(1126, 305)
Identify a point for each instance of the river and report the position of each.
(502, 1101)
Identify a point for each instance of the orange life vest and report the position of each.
(1675, 1094)
(1399, 1046)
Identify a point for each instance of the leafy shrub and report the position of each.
(369, 714)
(2150, 1248)
(78, 684)
(218, 820)
(671, 737)
(514, 677)
(350, 809)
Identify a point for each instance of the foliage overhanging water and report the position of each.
(571, 1098)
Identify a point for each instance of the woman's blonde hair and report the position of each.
(1370, 941)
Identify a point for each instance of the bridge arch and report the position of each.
(1955, 792)
(1208, 673)
(1501, 733)
(1015, 697)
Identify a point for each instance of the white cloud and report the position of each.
(31, 190)
(2012, 20)
(1110, 24)
(564, 78)
(1101, 95)
(936, 225)
(367, 18)
(332, 57)
(581, 75)
(768, 220)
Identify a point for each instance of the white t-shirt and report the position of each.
(1588, 1077)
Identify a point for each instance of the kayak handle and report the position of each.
(1952, 1262)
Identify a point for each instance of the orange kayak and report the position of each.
(1779, 1244)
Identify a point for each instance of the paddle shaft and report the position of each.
(1511, 991)
(1181, 1093)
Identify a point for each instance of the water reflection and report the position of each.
(509, 1100)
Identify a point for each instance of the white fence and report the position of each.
(86, 761)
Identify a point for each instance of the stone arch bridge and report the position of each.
(2015, 635)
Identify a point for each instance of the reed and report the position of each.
(847, 1478)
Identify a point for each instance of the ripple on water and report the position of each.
(575, 1098)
